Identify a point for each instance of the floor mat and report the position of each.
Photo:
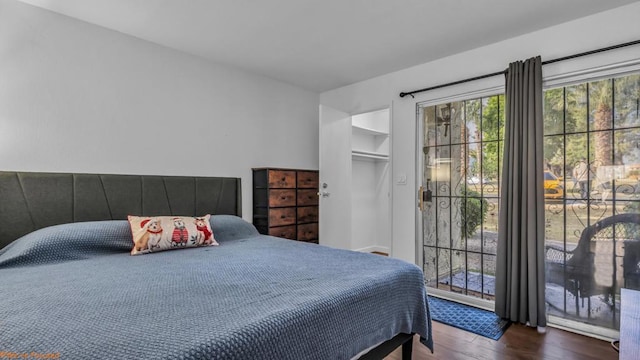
(469, 318)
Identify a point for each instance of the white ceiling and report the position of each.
(324, 44)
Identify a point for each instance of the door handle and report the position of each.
(424, 196)
(324, 193)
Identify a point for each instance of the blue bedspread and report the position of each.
(75, 291)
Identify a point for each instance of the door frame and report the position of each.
(390, 162)
(390, 168)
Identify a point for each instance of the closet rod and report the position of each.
(635, 42)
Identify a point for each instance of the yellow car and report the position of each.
(553, 188)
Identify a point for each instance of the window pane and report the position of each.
(472, 115)
(430, 271)
(457, 122)
(600, 105)
(429, 223)
(458, 272)
(554, 111)
(501, 103)
(490, 118)
(576, 108)
(438, 170)
(444, 269)
(576, 165)
(498, 182)
(443, 221)
(429, 119)
(474, 274)
(554, 156)
(490, 226)
(458, 238)
(554, 222)
(474, 163)
(600, 150)
(458, 169)
(489, 280)
(627, 101)
(627, 151)
(490, 169)
(443, 124)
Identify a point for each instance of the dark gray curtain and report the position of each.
(520, 279)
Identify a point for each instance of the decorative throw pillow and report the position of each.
(158, 233)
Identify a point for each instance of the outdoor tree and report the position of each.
(491, 130)
(601, 115)
(579, 119)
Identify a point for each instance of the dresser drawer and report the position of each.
(282, 216)
(307, 197)
(287, 232)
(307, 214)
(307, 232)
(308, 179)
(282, 179)
(281, 198)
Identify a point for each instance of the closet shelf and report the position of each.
(368, 131)
(360, 154)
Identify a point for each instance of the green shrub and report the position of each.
(474, 213)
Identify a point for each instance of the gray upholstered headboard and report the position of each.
(31, 200)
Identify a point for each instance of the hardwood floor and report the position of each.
(518, 342)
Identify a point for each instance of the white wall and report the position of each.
(75, 97)
(605, 29)
(364, 222)
(370, 215)
(383, 206)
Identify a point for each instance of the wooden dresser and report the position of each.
(285, 203)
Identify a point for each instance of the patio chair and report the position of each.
(575, 269)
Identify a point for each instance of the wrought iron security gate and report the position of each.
(461, 175)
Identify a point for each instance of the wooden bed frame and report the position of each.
(33, 200)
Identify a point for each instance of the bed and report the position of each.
(70, 289)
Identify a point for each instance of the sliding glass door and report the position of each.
(592, 182)
(592, 198)
(462, 146)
